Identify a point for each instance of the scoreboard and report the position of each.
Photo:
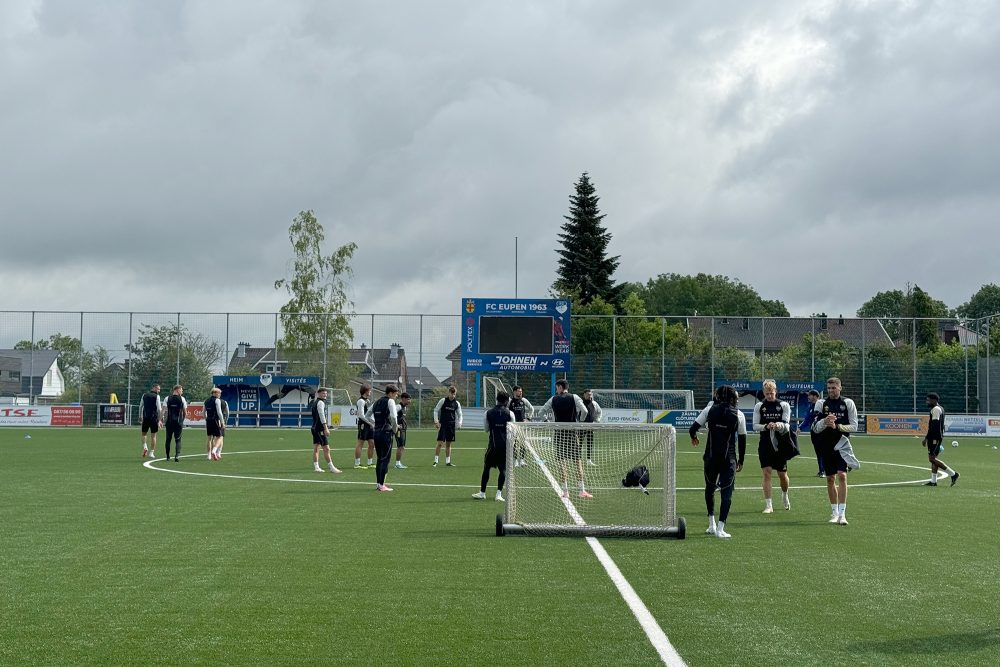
(515, 335)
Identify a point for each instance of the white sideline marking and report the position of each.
(657, 637)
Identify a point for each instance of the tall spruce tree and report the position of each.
(585, 270)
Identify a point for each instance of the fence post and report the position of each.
(965, 347)
(813, 352)
(614, 352)
(177, 378)
(326, 344)
(420, 374)
(31, 361)
(989, 406)
(711, 388)
(864, 356)
(913, 348)
(79, 379)
(663, 354)
(128, 390)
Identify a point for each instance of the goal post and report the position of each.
(645, 399)
(576, 480)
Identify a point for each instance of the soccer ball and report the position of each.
(954, 443)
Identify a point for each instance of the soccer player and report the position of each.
(567, 407)
(214, 425)
(934, 440)
(382, 416)
(404, 402)
(836, 419)
(771, 417)
(447, 417)
(725, 450)
(221, 440)
(594, 414)
(175, 411)
(151, 410)
(364, 428)
(495, 423)
(320, 430)
(523, 411)
(806, 427)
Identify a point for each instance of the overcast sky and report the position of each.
(820, 151)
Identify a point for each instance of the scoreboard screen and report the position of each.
(515, 335)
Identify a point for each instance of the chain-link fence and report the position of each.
(887, 365)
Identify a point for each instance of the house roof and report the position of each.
(745, 333)
(43, 360)
(253, 356)
(423, 374)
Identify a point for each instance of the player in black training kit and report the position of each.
(320, 430)
(594, 415)
(364, 428)
(215, 424)
(523, 411)
(151, 409)
(495, 423)
(725, 450)
(567, 407)
(771, 417)
(934, 440)
(447, 418)
(404, 402)
(382, 415)
(176, 409)
(837, 418)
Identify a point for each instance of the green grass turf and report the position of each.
(103, 561)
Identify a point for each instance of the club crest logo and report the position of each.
(265, 379)
(562, 307)
(470, 305)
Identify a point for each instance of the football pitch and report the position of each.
(258, 560)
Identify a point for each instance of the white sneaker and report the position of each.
(768, 510)
(711, 530)
(723, 534)
(590, 463)
(499, 498)
(317, 469)
(479, 496)
(834, 518)
(786, 503)
(400, 466)
(517, 463)
(525, 463)
(842, 520)
(334, 469)
(152, 454)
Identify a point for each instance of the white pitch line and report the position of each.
(657, 637)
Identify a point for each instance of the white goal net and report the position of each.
(645, 399)
(491, 387)
(561, 490)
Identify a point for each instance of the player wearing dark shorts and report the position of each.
(594, 414)
(725, 450)
(448, 418)
(523, 411)
(364, 428)
(320, 430)
(176, 410)
(806, 427)
(934, 440)
(837, 418)
(382, 415)
(213, 423)
(404, 402)
(495, 423)
(566, 407)
(771, 417)
(151, 410)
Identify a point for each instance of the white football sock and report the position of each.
(842, 509)
(948, 471)
(767, 503)
(357, 462)
(833, 508)
(436, 459)
(369, 461)
(447, 459)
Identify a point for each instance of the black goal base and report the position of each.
(678, 532)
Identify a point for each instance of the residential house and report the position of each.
(34, 372)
